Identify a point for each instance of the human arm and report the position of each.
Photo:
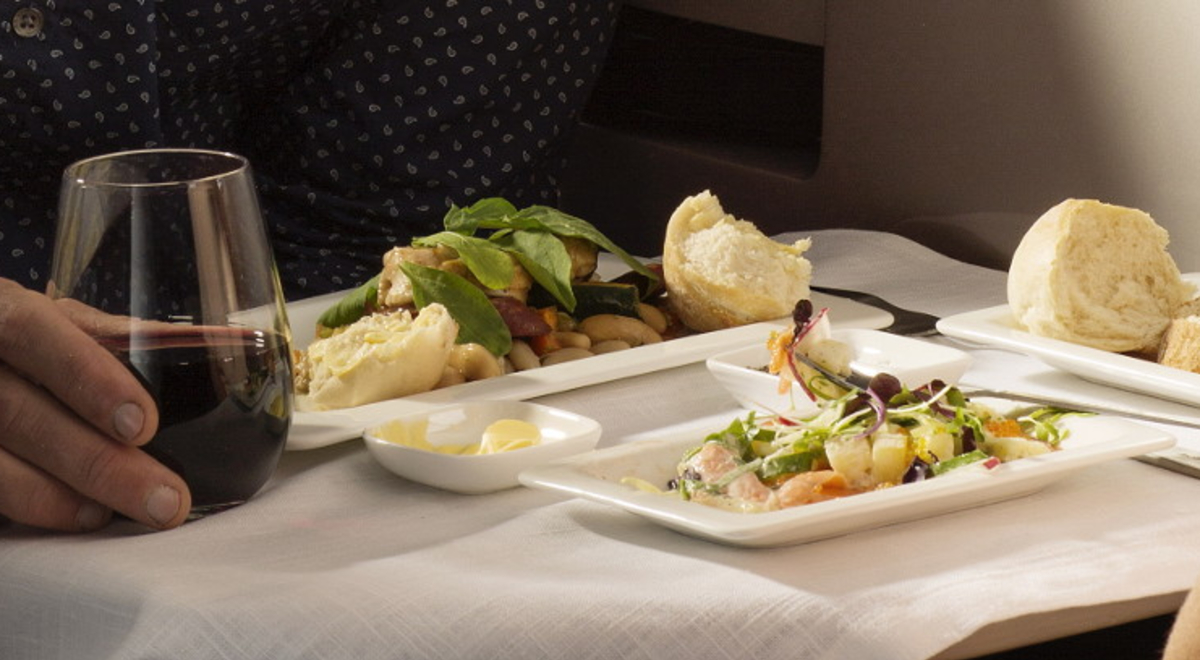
(1184, 640)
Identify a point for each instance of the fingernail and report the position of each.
(162, 506)
(128, 420)
(91, 516)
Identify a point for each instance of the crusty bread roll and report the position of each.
(1097, 275)
(1180, 347)
(378, 357)
(722, 272)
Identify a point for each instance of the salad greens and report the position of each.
(531, 235)
(922, 433)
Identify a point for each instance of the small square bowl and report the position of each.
(563, 434)
(913, 361)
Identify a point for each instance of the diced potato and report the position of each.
(832, 354)
(1010, 449)
(890, 456)
(851, 457)
(933, 442)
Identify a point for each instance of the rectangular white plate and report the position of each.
(597, 475)
(996, 327)
(312, 429)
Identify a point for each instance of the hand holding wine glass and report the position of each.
(162, 257)
(71, 420)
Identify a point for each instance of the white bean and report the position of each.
(603, 327)
(565, 355)
(653, 317)
(475, 362)
(573, 339)
(610, 346)
(522, 356)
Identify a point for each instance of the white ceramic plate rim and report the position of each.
(1093, 440)
(314, 429)
(996, 327)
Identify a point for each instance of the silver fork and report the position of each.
(861, 381)
(904, 321)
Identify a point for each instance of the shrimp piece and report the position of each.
(714, 461)
(748, 487)
(811, 487)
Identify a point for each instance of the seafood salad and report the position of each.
(850, 445)
(859, 438)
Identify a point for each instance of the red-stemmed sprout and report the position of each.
(804, 321)
(879, 391)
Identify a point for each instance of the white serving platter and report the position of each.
(997, 328)
(312, 429)
(597, 476)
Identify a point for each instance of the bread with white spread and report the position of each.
(1097, 275)
(722, 272)
(380, 356)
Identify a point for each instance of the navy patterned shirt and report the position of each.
(363, 119)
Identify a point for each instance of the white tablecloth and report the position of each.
(338, 558)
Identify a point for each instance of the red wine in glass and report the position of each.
(224, 397)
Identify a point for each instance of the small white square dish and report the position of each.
(598, 476)
(562, 433)
(913, 361)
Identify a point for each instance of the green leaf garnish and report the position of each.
(490, 264)
(564, 224)
(352, 306)
(497, 213)
(467, 220)
(478, 320)
(545, 258)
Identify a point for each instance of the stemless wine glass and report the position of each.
(169, 246)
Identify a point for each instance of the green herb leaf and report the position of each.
(478, 320)
(492, 211)
(497, 213)
(564, 224)
(490, 264)
(974, 456)
(791, 463)
(546, 259)
(352, 306)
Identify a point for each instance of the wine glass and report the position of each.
(168, 245)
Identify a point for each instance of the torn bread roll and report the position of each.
(722, 272)
(1180, 347)
(1098, 275)
(379, 357)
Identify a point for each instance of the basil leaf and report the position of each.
(546, 259)
(478, 320)
(490, 210)
(499, 214)
(487, 262)
(353, 306)
(564, 224)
